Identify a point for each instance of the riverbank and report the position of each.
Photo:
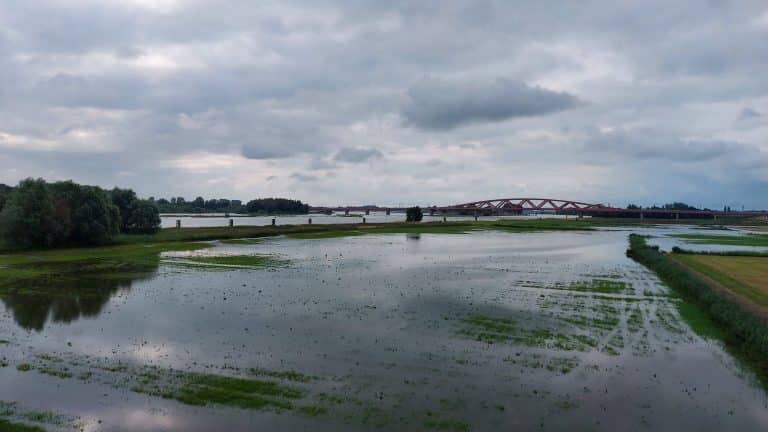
(740, 325)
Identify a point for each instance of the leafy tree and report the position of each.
(136, 216)
(276, 205)
(144, 218)
(40, 214)
(27, 219)
(413, 214)
(5, 190)
(86, 213)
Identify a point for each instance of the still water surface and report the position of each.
(394, 325)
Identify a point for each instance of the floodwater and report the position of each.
(480, 331)
(220, 219)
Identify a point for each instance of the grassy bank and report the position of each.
(742, 331)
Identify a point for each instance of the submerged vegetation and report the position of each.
(234, 261)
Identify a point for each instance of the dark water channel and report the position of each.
(482, 331)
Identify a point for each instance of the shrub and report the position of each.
(413, 214)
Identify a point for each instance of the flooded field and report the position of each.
(220, 220)
(450, 332)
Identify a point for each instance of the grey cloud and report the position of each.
(304, 177)
(357, 155)
(301, 83)
(749, 113)
(651, 144)
(441, 104)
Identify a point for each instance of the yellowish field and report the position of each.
(745, 276)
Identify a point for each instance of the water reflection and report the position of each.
(69, 293)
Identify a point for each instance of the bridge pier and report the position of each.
(363, 220)
(231, 223)
(346, 212)
(677, 215)
(389, 211)
(274, 221)
(641, 216)
(178, 223)
(309, 222)
(367, 212)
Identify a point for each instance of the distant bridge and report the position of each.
(546, 206)
(521, 204)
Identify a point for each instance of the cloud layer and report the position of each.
(333, 101)
(439, 104)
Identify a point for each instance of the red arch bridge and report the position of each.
(545, 206)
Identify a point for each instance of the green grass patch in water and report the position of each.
(8, 426)
(245, 241)
(602, 286)
(237, 260)
(725, 240)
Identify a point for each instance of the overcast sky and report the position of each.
(388, 102)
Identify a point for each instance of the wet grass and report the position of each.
(48, 272)
(203, 389)
(8, 426)
(446, 425)
(11, 412)
(602, 286)
(490, 330)
(726, 240)
(245, 241)
(248, 261)
(699, 321)
(284, 391)
(96, 253)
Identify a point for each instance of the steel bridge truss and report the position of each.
(523, 204)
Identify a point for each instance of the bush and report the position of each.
(414, 214)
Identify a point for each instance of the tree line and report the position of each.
(36, 213)
(223, 205)
(659, 211)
